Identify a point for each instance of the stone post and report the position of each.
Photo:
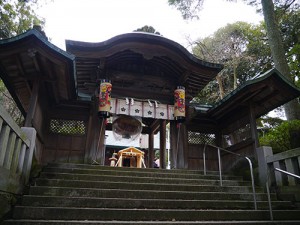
(31, 136)
(262, 152)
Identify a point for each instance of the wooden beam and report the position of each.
(165, 98)
(22, 71)
(155, 126)
(32, 104)
(184, 78)
(36, 63)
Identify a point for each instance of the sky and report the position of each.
(99, 20)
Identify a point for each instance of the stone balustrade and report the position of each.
(16, 153)
(288, 161)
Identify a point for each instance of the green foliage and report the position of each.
(290, 30)
(242, 49)
(245, 48)
(9, 104)
(284, 137)
(147, 29)
(188, 8)
(17, 16)
(269, 122)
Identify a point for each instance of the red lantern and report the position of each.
(104, 99)
(179, 104)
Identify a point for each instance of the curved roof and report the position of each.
(143, 62)
(136, 41)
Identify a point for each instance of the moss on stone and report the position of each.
(6, 202)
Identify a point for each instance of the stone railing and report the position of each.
(288, 161)
(16, 153)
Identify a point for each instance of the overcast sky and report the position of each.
(99, 20)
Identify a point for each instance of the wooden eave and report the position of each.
(263, 94)
(146, 63)
(30, 56)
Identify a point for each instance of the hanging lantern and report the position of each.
(104, 99)
(179, 104)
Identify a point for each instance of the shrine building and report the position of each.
(126, 84)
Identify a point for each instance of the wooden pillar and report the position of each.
(219, 138)
(162, 151)
(179, 145)
(173, 144)
(90, 134)
(101, 141)
(32, 104)
(151, 150)
(95, 148)
(182, 147)
(253, 126)
(185, 146)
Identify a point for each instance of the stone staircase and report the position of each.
(85, 194)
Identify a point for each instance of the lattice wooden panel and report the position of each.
(67, 127)
(201, 138)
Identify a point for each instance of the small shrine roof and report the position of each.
(30, 56)
(131, 150)
(264, 93)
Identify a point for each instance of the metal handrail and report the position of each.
(220, 168)
(268, 190)
(287, 173)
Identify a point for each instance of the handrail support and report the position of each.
(220, 168)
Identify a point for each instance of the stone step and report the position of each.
(136, 173)
(52, 201)
(143, 186)
(114, 178)
(132, 169)
(74, 213)
(78, 222)
(143, 194)
(88, 194)
(98, 222)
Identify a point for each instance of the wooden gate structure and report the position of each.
(57, 92)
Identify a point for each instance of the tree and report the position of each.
(17, 16)
(292, 108)
(290, 29)
(242, 49)
(255, 55)
(147, 29)
(284, 137)
(189, 8)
